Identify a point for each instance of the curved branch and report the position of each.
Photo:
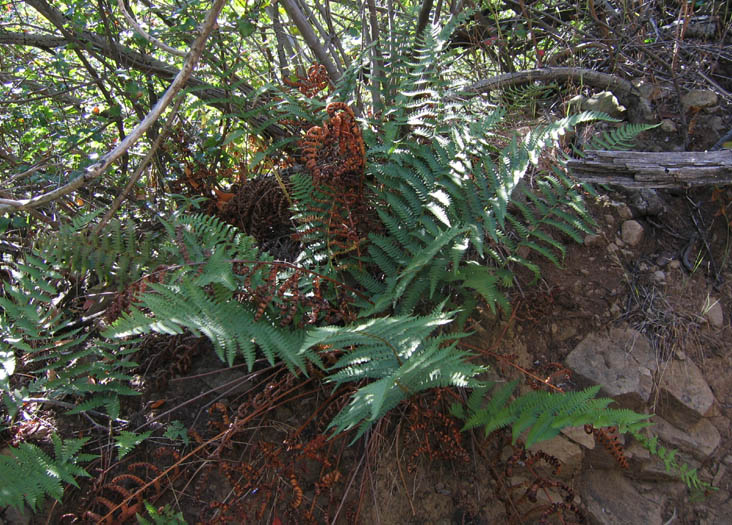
(626, 92)
(144, 34)
(97, 169)
(619, 86)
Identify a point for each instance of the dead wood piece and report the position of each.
(643, 169)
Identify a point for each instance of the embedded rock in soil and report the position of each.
(621, 360)
(611, 499)
(700, 441)
(668, 125)
(684, 394)
(713, 312)
(646, 202)
(699, 98)
(632, 232)
(593, 240)
(604, 101)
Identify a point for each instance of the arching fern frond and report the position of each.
(400, 355)
(542, 415)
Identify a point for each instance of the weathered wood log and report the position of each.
(643, 169)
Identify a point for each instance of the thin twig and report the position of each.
(154, 41)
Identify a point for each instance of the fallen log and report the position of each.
(643, 169)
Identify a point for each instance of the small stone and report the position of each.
(668, 125)
(699, 98)
(624, 211)
(609, 219)
(612, 247)
(675, 264)
(713, 312)
(593, 240)
(717, 124)
(632, 232)
(659, 276)
(606, 102)
(567, 333)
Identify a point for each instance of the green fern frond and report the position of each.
(231, 326)
(619, 138)
(28, 474)
(542, 415)
(399, 356)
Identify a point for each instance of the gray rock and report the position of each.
(624, 211)
(611, 499)
(647, 202)
(713, 312)
(701, 440)
(576, 103)
(579, 436)
(685, 397)
(593, 240)
(668, 125)
(568, 453)
(632, 233)
(699, 98)
(652, 91)
(621, 360)
(604, 101)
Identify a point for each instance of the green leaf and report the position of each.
(126, 441)
(177, 430)
(245, 27)
(7, 367)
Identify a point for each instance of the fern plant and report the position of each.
(199, 295)
(60, 357)
(542, 414)
(28, 474)
(399, 355)
(688, 475)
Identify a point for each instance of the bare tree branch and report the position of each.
(307, 32)
(42, 91)
(45, 42)
(626, 92)
(144, 34)
(97, 169)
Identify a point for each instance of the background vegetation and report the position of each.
(328, 192)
